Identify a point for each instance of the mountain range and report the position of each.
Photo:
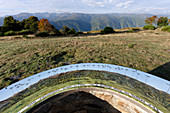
(88, 22)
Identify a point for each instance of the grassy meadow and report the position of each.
(23, 57)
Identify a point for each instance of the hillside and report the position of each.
(88, 22)
(144, 50)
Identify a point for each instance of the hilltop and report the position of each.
(143, 50)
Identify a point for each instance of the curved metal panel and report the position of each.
(156, 82)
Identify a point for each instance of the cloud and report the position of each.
(153, 10)
(100, 3)
(93, 3)
(11, 7)
(125, 4)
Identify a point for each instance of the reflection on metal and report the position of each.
(168, 88)
(156, 82)
(95, 85)
(147, 78)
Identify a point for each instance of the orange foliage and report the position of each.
(44, 25)
(163, 21)
(151, 20)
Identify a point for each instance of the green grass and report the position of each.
(10, 33)
(157, 98)
(20, 58)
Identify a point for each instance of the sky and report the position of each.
(12, 7)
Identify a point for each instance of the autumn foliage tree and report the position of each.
(151, 20)
(44, 25)
(154, 20)
(163, 21)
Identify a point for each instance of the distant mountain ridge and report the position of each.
(88, 22)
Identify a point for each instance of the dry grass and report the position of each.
(20, 58)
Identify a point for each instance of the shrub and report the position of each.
(25, 32)
(55, 33)
(64, 30)
(80, 32)
(1, 34)
(10, 33)
(149, 27)
(130, 31)
(108, 30)
(166, 28)
(71, 31)
(42, 34)
(135, 29)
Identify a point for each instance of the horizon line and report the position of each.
(84, 13)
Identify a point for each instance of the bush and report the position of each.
(71, 31)
(166, 28)
(149, 27)
(108, 30)
(10, 33)
(130, 31)
(25, 32)
(55, 33)
(1, 34)
(80, 32)
(136, 29)
(42, 34)
(64, 30)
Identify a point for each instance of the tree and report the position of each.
(54, 31)
(71, 31)
(162, 21)
(65, 29)
(30, 23)
(44, 25)
(108, 30)
(10, 24)
(151, 20)
(22, 23)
